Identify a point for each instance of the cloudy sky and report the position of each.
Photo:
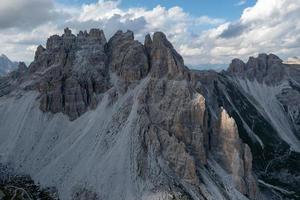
(205, 32)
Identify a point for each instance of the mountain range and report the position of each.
(118, 119)
(6, 65)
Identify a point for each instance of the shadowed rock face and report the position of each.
(233, 154)
(73, 71)
(264, 68)
(178, 125)
(262, 96)
(127, 58)
(164, 59)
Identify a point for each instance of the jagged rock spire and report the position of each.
(148, 43)
(127, 57)
(264, 68)
(164, 58)
(67, 32)
(40, 49)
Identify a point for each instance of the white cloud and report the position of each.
(268, 26)
(26, 14)
(241, 2)
(179, 26)
(18, 46)
(100, 10)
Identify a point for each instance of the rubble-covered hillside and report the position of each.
(118, 119)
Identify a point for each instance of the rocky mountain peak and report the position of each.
(97, 34)
(22, 67)
(128, 35)
(40, 49)
(6, 65)
(4, 56)
(237, 66)
(67, 32)
(264, 68)
(73, 70)
(160, 40)
(148, 43)
(164, 58)
(145, 124)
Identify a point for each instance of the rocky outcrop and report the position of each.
(265, 68)
(127, 58)
(233, 154)
(261, 96)
(73, 71)
(155, 125)
(164, 59)
(177, 121)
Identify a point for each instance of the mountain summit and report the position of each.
(118, 119)
(6, 65)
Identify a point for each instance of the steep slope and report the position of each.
(262, 96)
(273, 91)
(118, 119)
(6, 65)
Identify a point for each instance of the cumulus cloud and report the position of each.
(20, 46)
(26, 14)
(268, 26)
(233, 30)
(180, 27)
(110, 25)
(107, 15)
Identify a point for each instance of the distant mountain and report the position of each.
(293, 61)
(6, 65)
(96, 119)
(208, 66)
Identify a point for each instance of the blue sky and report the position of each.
(205, 32)
(226, 9)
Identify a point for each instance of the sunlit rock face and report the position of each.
(233, 155)
(265, 113)
(119, 119)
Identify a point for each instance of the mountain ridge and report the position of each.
(6, 65)
(132, 116)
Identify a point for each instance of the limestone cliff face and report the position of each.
(262, 99)
(233, 154)
(163, 58)
(127, 58)
(265, 68)
(141, 97)
(73, 70)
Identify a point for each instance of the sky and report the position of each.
(207, 33)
